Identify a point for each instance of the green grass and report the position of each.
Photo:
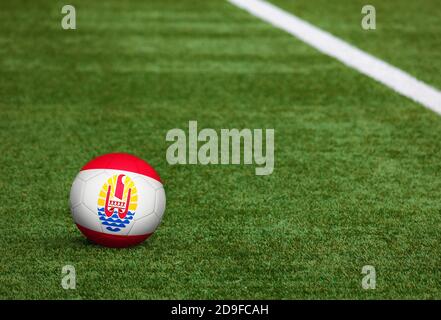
(357, 174)
(407, 33)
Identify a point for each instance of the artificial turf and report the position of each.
(356, 178)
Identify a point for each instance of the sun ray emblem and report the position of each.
(117, 202)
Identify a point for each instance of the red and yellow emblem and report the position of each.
(117, 202)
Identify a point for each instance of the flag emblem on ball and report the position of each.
(117, 202)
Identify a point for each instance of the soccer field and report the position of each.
(357, 168)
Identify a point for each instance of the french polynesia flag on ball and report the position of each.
(117, 200)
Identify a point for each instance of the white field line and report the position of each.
(351, 56)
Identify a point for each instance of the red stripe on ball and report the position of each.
(112, 240)
(123, 161)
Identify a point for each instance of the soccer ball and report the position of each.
(117, 200)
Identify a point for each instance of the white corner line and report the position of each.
(351, 56)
